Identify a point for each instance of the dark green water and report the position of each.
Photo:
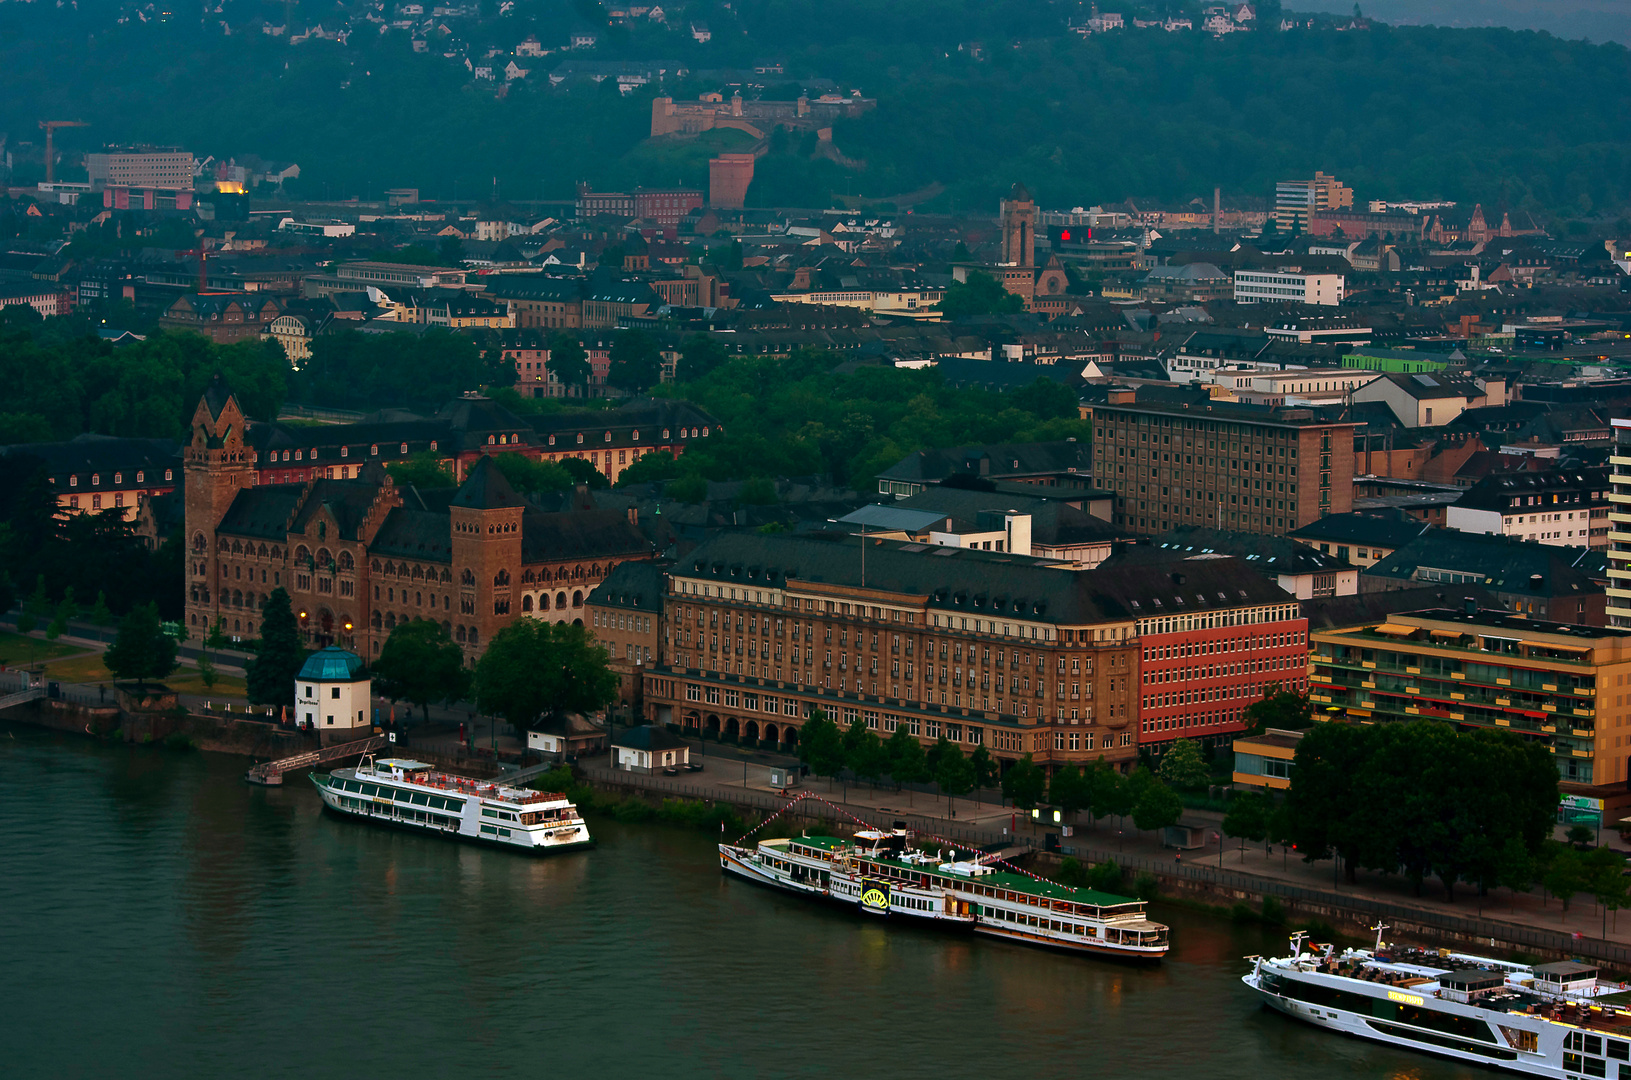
(161, 918)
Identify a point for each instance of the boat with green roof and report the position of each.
(879, 873)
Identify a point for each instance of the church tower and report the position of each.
(218, 465)
(1019, 228)
(486, 520)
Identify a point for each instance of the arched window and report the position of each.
(502, 578)
(390, 621)
(468, 578)
(222, 546)
(324, 557)
(377, 621)
(418, 573)
(447, 578)
(375, 566)
(560, 600)
(277, 552)
(346, 561)
(302, 554)
(543, 601)
(199, 543)
(263, 551)
(526, 603)
(459, 636)
(472, 635)
(577, 598)
(237, 548)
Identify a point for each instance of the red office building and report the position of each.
(1205, 655)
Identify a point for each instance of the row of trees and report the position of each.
(1416, 798)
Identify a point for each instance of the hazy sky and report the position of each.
(1596, 20)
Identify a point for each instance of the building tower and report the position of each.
(218, 465)
(486, 520)
(1019, 228)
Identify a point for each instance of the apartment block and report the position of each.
(1559, 684)
(1223, 465)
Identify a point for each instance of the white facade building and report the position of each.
(1257, 286)
(330, 696)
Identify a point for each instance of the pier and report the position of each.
(271, 772)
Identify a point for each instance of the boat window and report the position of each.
(420, 798)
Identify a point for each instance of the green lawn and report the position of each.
(18, 650)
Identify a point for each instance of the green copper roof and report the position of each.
(331, 664)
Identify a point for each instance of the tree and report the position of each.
(452, 250)
(1248, 817)
(1069, 789)
(66, 609)
(423, 470)
(1182, 766)
(34, 606)
(1108, 791)
(582, 472)
(865, 752)
(141, 650)
(981, 294)
(636, 361)
(1024, 784)
(758, 491)
(699, 356)
(986, 770)
(649, 468)
(1565, 875)
(531, 477)
(567, 361)
(279, 656)
(907, 763)
(421, 663)
(1605, 880)
(215, 639)
(1157, 806)
(1279, 708)
(821, 745)
(688, 489)
(533, 668)
(953, 774)
(100, 615)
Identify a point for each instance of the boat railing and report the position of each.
(480, 788)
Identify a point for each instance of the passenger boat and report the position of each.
(878, 873)
(1537, 1020)
(412, 795)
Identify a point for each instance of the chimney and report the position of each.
(1217, 209)
(634, 515)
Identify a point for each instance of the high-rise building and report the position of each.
(1223, 465)
(1619, 527)
(164, 168)
(1297, 201)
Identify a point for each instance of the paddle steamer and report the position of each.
(411, 795)
(878, 873)
(1548, 1020)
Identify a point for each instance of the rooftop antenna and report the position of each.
(1379, 927)
(1297, 940)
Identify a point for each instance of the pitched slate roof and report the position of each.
(1380, 530)
(348, 500)
(1497, 490)
(995, 459)
(1053, 522)
(485, 488)
(579, 534)
(634, 585)
(1496, 562)
(262, 511)
(415, 534)
(647, 737)
(1264, 554)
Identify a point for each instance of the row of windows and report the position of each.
(118, 478)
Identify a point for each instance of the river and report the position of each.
(159, 917)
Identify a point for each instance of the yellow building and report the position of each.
(1264, 761)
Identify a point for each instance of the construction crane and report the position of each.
(50, 128)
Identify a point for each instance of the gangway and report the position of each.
(31, 694)
(532, 772)
(271, 772)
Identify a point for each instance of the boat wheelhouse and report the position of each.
(413, 795)
(1553, 1020)
(878, 873)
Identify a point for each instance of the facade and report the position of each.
(649, 749)
(538, 301)
(1288, 286)
(1204, 661)
(1619, 527)
(1293, 387)
(1298, 202)
(357, 556)
(626, 614)
(1236, 467)
(419, 277)
(222, 317)
(729, 177)
(165, 168)
(1426, 399)
(332, 695)
(1558, 684)
(45, 297)
(100, 473)
(1557, 584)
(1359, 539)
(1044, 465)
(1264, 761)
(979, 648)
(1561, 507)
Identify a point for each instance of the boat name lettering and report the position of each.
(1408, 999)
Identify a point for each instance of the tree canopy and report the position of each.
(279, 655)
(141, 650)
(533, 668)
(1420, 796)
(421, 663)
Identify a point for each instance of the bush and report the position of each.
(1274, 912)
(1105, 877)
(1145, 887)
(178, 740)
(1071, 875)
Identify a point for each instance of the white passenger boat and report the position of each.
(1537, 1020)
(877, 873)
(412, 795)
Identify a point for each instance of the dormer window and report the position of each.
(552, 440)
(314, 453)
(96, 479)
(404, 448)
(491, 440)
(118, 478)
(296, 455)
(608, 436)
(141, 477)
(73, 481)
(580, 438)
(635, 435)
(167, 474)
(433, 444)
(345, 451)
(374, 450)
(665, 433)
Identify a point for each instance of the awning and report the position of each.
(1448, 633)
(1396, 629)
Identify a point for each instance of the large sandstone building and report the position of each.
(362, 554)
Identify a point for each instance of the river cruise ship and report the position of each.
(412, 795)
(878, 873)
(1548, 1020)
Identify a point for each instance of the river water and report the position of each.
(161, 918)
